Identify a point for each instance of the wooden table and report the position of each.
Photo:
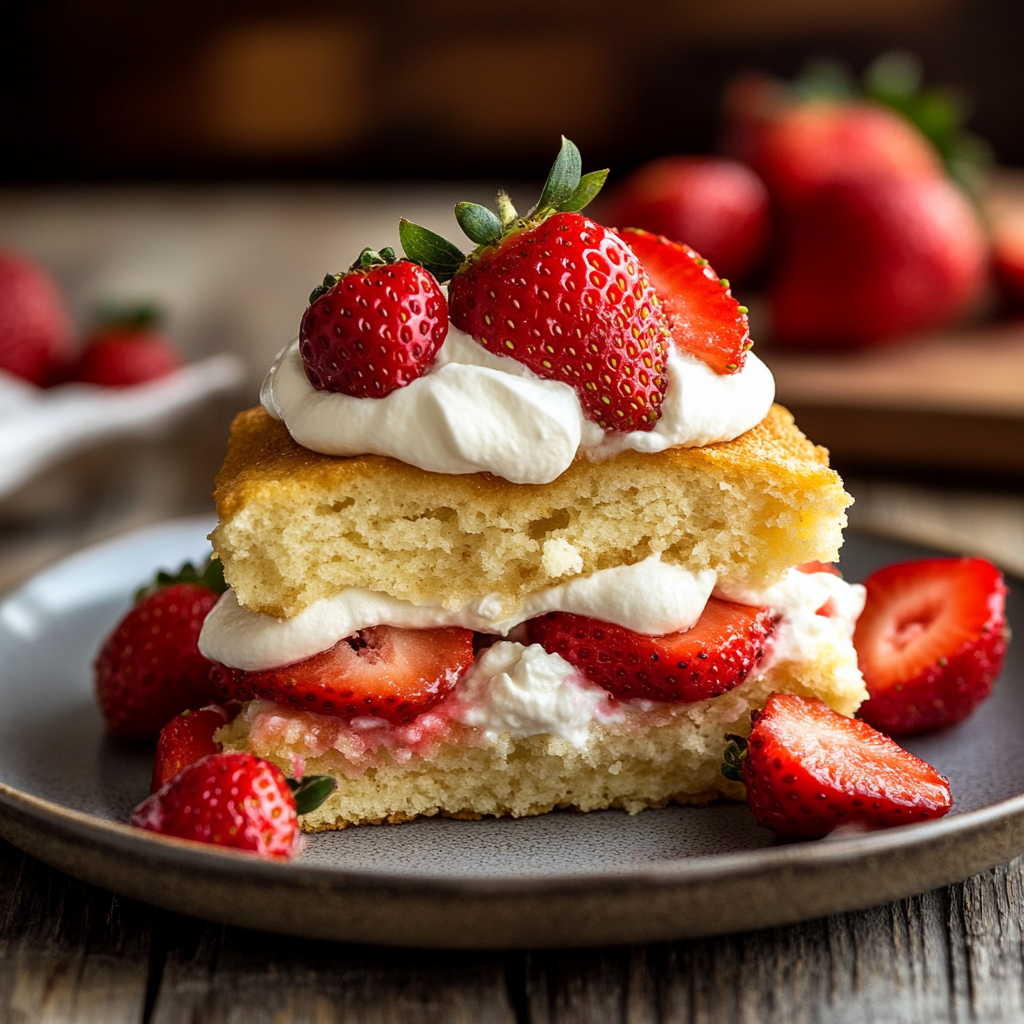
(72, 953)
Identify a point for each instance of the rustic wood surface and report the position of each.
(73, 953)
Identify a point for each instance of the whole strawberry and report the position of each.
(34, 324)
(149, 669)
(561, 294)
(232, 800)
(809, 770)
(127, 348)
(189, 738)
(373, 329)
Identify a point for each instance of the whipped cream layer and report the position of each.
(650, 597)
(521, 690)
(476, 411)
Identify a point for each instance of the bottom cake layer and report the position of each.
(637, 755)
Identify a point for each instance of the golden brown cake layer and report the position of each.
(296, 526)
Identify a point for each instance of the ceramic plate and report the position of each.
(562, 879)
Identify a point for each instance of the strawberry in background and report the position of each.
(34, 322)
(126, 348)
(716, 205)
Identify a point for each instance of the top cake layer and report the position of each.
(297, 527)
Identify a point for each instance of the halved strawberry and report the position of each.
(809, 770)
(713, 656)
(704, 318)
(812, 567)
(189, 738)
(382, 672)
(930, 641)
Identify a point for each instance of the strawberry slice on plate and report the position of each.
(930, 641)
(714, 655)
(382, 672)
(704, 318)
(809, 770)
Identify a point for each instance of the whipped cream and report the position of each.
(650, 597)
(525, 691)
(475, 411)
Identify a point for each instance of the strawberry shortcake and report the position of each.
(538, 540)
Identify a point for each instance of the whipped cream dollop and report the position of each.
(527, 692)
(651, 596)
(476, 411)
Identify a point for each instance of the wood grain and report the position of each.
(72, 953)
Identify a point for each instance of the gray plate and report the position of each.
(557, 880)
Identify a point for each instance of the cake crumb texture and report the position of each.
(297, 527)
(657, 754)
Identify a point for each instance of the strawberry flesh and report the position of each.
(382, 672)
(570, 301)
(704, 318)
(231, 800)
(809, 770)
(930, 641)
(713, 656)
(187, 739)
(376, 330)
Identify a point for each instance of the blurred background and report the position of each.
(216, 160)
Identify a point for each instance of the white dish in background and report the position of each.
(39, 427)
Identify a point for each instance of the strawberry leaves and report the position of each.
(567, 190)
(311, 791)
(210, 575)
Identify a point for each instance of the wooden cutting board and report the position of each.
(950, 401)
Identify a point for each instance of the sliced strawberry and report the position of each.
(715, 655)
(704, 318)
(812, 567)
(809, 770)
(930, 641)
(189, 738)
(382, 672)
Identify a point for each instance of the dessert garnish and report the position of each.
(558, 292)
(235, 801)
(704, 318)
(382, 672)
(150, 669)
(189, 738)
(930, 642)
(374, 328)
(714, 655)
(809, 770)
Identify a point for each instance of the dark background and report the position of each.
(121, 90)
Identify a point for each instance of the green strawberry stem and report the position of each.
(209, 575)
(311, 791)
(565, 191)
(735, 755)
(366, 259)
(129, 316)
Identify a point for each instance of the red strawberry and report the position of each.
(716, 205)
(232, 800)
(871, 259)
(807, 146)
(561, 294)
(812, 567)
(127, 348)
(809, 770)
(149, 669)
(382, 672)
(374, 329)
(189, 738)
(704, 318)
(34, 324)
(1008, 252)
(715, 655)
(930, 641)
